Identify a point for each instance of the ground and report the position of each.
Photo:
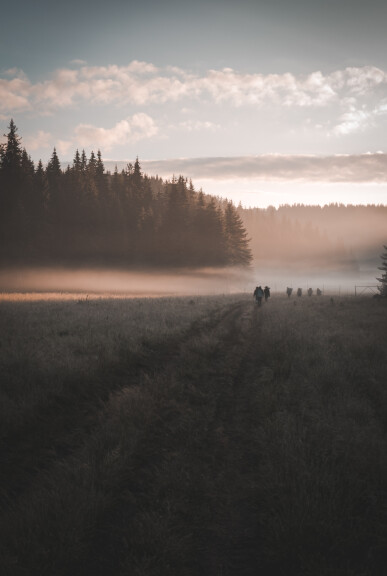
(194, 436)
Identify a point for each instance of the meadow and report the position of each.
(193, 435)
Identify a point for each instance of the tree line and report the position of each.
(84, 214)
(333, 234)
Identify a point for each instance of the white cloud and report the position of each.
(142, 83)
(277, 168)
(198, 125)
(131, 129)
(62, 91)
(358, 120)
(64, 147)
(78, 62)
(381, 109)
(40, 140)
(362, 80)
(14, 93)
(353, 121)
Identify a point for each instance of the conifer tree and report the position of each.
(213, 241)
(38, 214)
(11, 153)
(383, 280)
(83, 161)
(77, 161)
(53, 169)
(11, 224)
(127, 217)
(26, 204)
(58, 210)
(100, 179)
(238, 251)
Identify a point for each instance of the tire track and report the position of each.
(59, 429)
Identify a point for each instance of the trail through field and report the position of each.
(187, 467)
(63, 421)
(243, 444)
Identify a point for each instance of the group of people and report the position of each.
(299, 292)
(260, 293)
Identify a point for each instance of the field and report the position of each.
(193, 436)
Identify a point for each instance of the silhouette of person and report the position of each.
(299, 292)
(319, 292)
(266, 292)
(310, 291)
(289, 291)
(258, 293)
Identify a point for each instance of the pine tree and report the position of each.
(58, 209)
(211, 239)
(53, 169)
(83, 161)
(38, 214)
(11, 154)
(383, 288)
(100, 178)
(11, 221)
(238, 251)
(77, 161)
(92, 165)
(26, 204)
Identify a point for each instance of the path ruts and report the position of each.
(58, 428)
(196, 378)
(199, 459)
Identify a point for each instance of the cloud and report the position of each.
(142, 83)
(353, 121)
(198, 125)
(62, 90)
(131, 129)
(78, 62)
(358, 120)
(15, 93)
(64, 147)
(277, 168)
(361, 80)
(381, 109)
(40, 140)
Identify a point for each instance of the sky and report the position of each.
(263, 102)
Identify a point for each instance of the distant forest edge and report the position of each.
(334, 235)
(84, 215)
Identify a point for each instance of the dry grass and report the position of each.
(207, 437)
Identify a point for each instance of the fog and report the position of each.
(59, 283)
(332, 281)
(66, 283)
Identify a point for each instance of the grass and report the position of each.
(194, 436)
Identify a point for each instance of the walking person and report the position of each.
(258, 293)
(266, 292)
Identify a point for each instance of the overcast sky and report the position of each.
(255, 98)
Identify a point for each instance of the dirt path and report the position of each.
(59, 428)
(196, 453)
(233, 450)
(192, 375)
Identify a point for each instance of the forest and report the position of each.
(85, 215)
(79, 213)
(333, 236)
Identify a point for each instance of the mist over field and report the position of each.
(126, 283)
(62, 283)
